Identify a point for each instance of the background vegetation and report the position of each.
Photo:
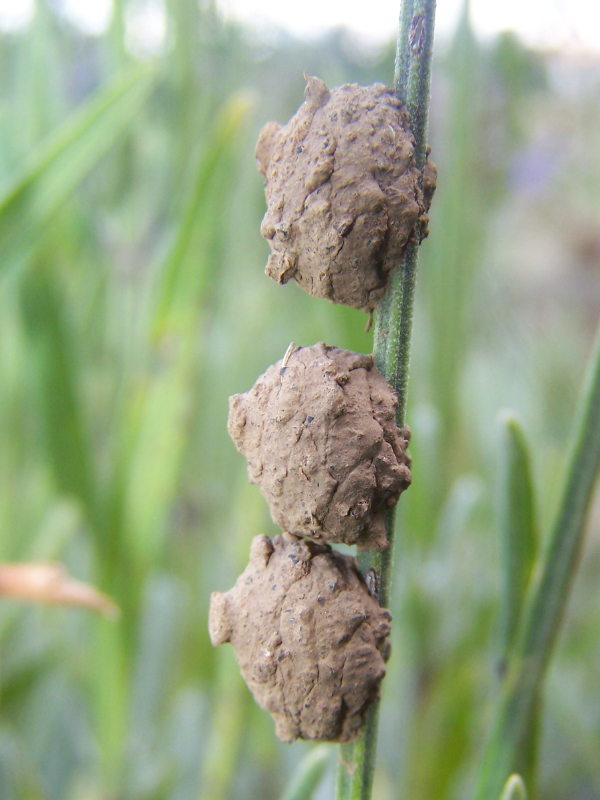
(133, 302)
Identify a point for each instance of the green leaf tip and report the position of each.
(514, 789)
(61, 162)
(547, 597)
(518, 528)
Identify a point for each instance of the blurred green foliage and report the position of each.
(133, 302)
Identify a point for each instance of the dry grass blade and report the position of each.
(51, 584)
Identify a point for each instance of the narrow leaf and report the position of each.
(55, 374)
(514, 789)
(157, 419)
(60, 164)
(517, 529)
(546, 602)
(519, 545)
(175, 280)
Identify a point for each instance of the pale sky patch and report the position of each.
(559, 24)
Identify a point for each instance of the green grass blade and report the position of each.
(40, 100)
(546, 602)
(177, 282)
(62, 162)
(54, 371)
(517, 531)
(156, 421)
(308, 775)
(452, 255)
(222, 749)
(519, 546)
(109, 689)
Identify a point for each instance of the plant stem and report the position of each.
(546, 602)
(391, 347)
(402, 66)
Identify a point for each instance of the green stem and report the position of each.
(391, 350)
(546, 602)
(402, 67)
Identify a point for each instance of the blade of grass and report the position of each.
(454, 253)
(54, 370)
(62, 162)
(393, 329)
(546, 602)
(116, 33)
(110, 691)
(518, 533)
(176, 282)
(155, 422)
(40, 97)
(188, 21)
(519, 546)
(222, 749)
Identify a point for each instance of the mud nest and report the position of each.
(320, 438)
(343, 192)
(310, 639)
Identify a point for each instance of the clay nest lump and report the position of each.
(320, 437)
(310, 639)
(344, 195)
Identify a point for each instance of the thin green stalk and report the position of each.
(546, 602)
(391, 350)
(402, 67)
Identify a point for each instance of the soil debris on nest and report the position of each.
(310, 639)
(344, 195)
(319, 433)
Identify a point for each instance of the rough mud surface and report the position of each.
(343, 193)
(310, 640)
(320, 438)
